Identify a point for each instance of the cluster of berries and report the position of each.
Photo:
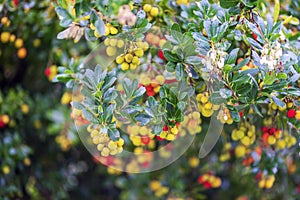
(265, 181)
(4, 120)
(158, 189)
(109, 29)
(191, 124)
(151, 11)
(245, 134)
(141, 136)
(205, 107)
(64, 142)
(6, 37)
(169, 133)
(131, 58)
(112, 45)
(143, 157)
(226, 154)
(104, 144)
(51, 72)
(77, 116)
(209, 181)
(152, 86)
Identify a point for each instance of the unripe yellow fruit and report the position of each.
(240, 151)
(133, 66)
(22, 52)
(196, 115)
(105, 152)
(97, 34)
(113, 42)
(24, 108)
(280, 144)
(120, 59)
(12, 38)
(135, 60)
(113, 30)
(155, 185)
(19, 43)
(261, 183)
(147, 7)
(204, 99)
(170, 137)
(6, 169)
(36, 42)
(5, 119)
(112, 145)
(5, 37)
(107, 42)
(208, 105)
(4, 20)
(268, 183)
(111, 51)
(120, 44)
(194, 162)
(125, 66)
(120, 142)
(271, 140)
(154, 11)
(139, 52)
(128, 57)
(160, 79)
(246, 141)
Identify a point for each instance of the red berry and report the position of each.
(291, 113)
(265, 137)
(149, 88)
(150, 93)
(165, 128)
(1, 124)
(258, 176)
(207, 185)
(200, 179)
(298, 189)
(145, 140)
(146, 164)
(16, 2)
(272, 130)
(265, 129)
(161, 55)
(254, 36)
(177, 124)
(47, 71)
(241, 114)
(159, 138)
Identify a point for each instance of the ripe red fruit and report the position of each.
(265, 129)
(159, 138)
(241, 114)
(165, 128)
(291, 113)
(265, 137)
(146, 164)
(47, 71)
(272, 130)
(149, 88)
(161, 55)
(145, 140)
(150, 93)
(207, 185)
(200, 179)
(16, 2)
(1, 124)
(177, 124)
(254, 36)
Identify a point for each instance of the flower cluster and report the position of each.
(214, 60)
(270, 55)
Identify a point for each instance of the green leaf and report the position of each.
(179, 71)
(170, 67)
(90, 116)
(254, 44)
(171, 56)
(194, 60)
(282, 75)
(276, 10)
(139, 92)
(278, 102)
(144, 119)
(228, 3)
(232, 56)
(270, 78)
(100, 26)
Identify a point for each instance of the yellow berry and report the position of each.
(297, 116)
(282, 108)
(204, 99)
(97, 34)
(246, 141)
(125, 66)
(261, 183)
(133, 66)
(139, 52)
(147, 7)
(107, 31)
(27, 162)
(4, 20)
(240, 151)
(208, 105)
(120, 142)
(19, 43)
(22, 52)
(216, 183)
(196, 115)
(155, 185)
(271, 140)
(194, 162)
(113, 42)
(107, 42)
(112, 145)
(111, 51)
(24, 108)
(12, 38)
(6, 169)
(120, 44)
(120, 59)
(128, 57)
(105, 152)
(170, 137)
(113, 30)
(154, 11)
(280, 144)
(135, 60)
(5, 37)
(160, 79)
(36, 42)
(5, 119)
(268, 183)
